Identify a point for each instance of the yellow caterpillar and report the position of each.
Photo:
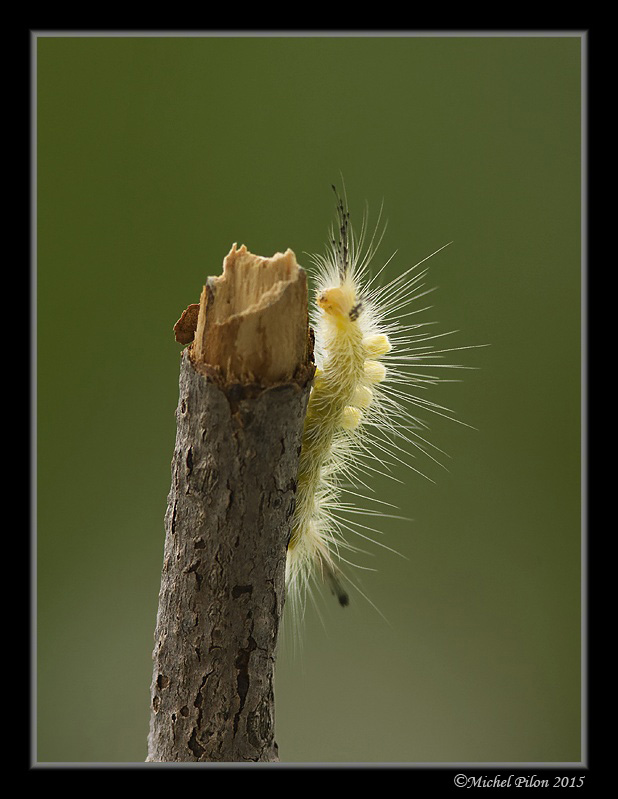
(356, 411)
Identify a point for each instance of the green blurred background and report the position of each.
(154, 156)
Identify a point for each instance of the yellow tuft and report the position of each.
(377, 345)
(350, 418)
(375, 371)
(362, 397)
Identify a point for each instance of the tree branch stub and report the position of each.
(244, 386)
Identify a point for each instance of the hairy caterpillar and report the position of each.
(358, 413)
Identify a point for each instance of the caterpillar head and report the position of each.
(340, 302)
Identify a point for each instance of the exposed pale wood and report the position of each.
(245, 326)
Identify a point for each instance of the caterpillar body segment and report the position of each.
(348, 346)
(371, 354)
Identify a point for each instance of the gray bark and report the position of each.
(222, 587)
